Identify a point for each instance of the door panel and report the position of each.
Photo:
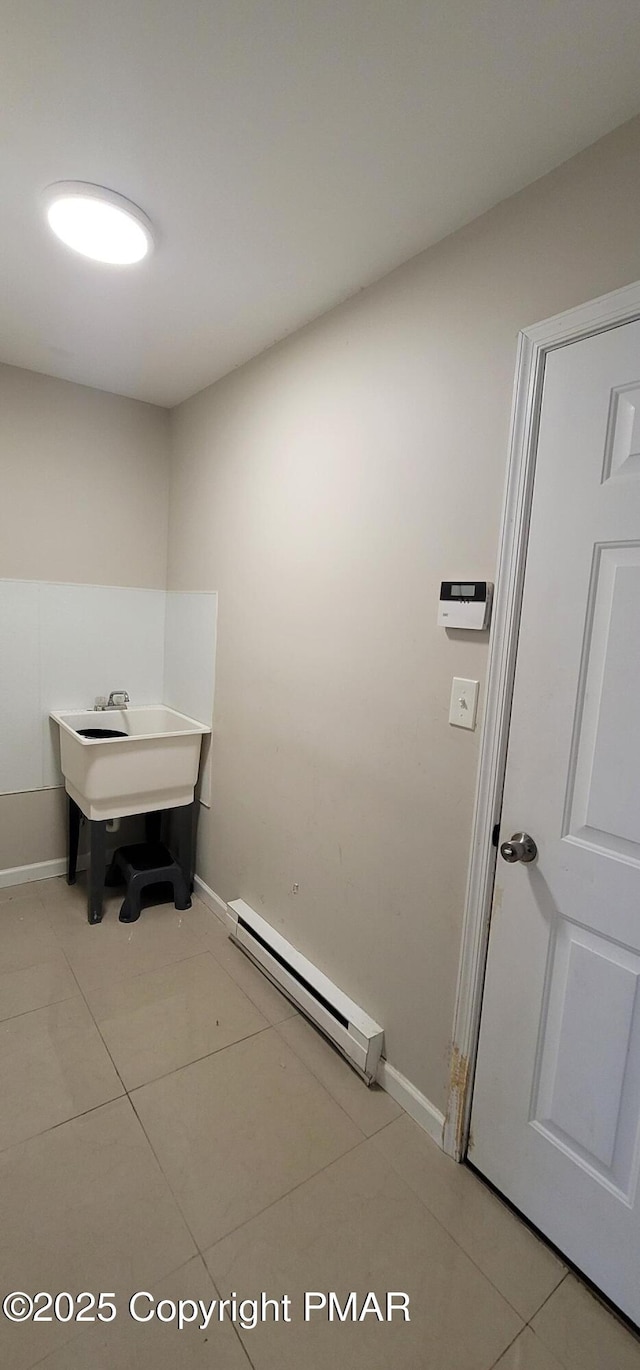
(608, 757)
(586, 1098)
(622, 449)
(556, 1112)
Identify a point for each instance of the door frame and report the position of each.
(608, 311)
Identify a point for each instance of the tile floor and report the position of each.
(169, 1124)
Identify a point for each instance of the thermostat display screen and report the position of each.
(458, 589)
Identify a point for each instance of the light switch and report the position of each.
(464, 703)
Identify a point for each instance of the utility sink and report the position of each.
(153, 763)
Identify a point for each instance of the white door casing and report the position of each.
(556, 1112)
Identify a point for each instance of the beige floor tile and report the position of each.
(27, 889)
(84, 1206)
(113, 951)
(358, 1227)
(518, 1263)
(528, 1353)
(208, 924)
(53, 1066)
(26, 937)
(582, 1333)
(237, 1130)
(35, 986)
(66, 905)
(371, 1108)
(125, 1344)
(166, 1018)
(257, 986)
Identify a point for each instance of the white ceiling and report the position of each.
(288, 152)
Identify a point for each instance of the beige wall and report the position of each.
(325, 490)
(84, 483)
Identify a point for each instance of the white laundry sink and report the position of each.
(153, 766)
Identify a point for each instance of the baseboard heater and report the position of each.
(348, 1026)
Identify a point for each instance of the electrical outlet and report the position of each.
(464, 703)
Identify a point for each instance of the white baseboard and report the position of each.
(212, 900)
(37, 870)
(48, 870)
(44, 870)
(412, 1101)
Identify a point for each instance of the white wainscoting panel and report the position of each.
(190, 663)
(94, 639)
(61, 645)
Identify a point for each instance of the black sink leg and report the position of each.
(97, 868)
(153, 826)
(185, 834)
(73, 837)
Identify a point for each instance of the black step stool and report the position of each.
(182, 823)
(146, 863)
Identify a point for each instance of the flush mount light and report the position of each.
(97, 222)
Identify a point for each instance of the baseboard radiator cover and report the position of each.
(347, 1025)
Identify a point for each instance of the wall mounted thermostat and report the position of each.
(465, 604)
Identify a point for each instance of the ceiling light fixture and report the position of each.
(97, 222)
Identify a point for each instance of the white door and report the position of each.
(556, 1112)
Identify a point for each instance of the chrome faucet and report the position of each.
(118, 699)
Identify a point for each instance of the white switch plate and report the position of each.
(464, 703)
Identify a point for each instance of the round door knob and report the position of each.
(521, 847)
